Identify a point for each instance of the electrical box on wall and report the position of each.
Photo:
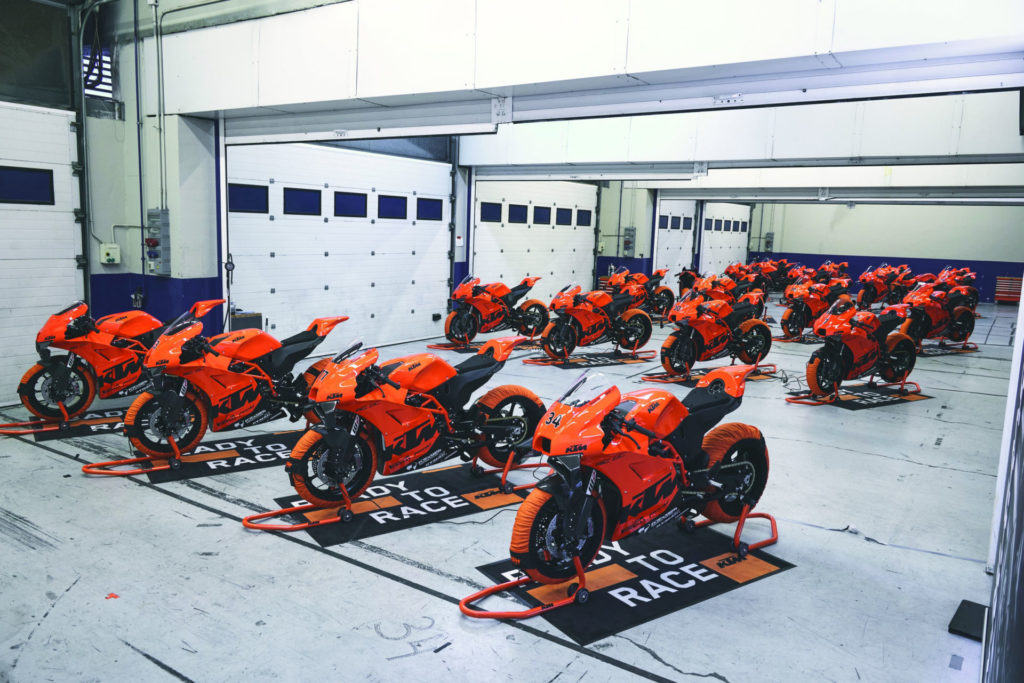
(628, 242)
(110, 254)
(769, 241)
(157, 242)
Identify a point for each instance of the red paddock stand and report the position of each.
(667, 378)
(577, 591)
(506, 486)
(810, 399)
(39, 425)
(942, 343)
(159, 463)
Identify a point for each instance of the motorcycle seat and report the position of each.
(741, 311)
(293, 349)
(620, 302)
(470, 375)
(475, 362)
(515, 294)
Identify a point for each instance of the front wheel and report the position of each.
(559, 339)
(539, 547)
(662, 300)
(635, 330)
(533, 317)
(678, 354)
(148, 426)
(825, 372)
(793, 322)
(900, 356)
(961, 324)
(43, 391)
(916, 329)
(743, 473)
(512, 413)
(319, 472)
(461, 326)
(755, 341)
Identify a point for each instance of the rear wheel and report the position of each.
(533, 317)
(915, 329)
(461, 326)
(825, 372)
(636, 329)
(662, 300)
(148, 426)
(540, 549)
(741, 450)
(793, 322)
(900, 356)
(559, 338)
(319, 473)
(961, 324)
(865, 297)
(678, 353)
(755, 341)
(42, 391)
(513, 412)
(972, 298)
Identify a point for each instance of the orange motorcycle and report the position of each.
(931, 312)
(406, 414)
(104, 357)
(593, 318)
(647, 293)
(627, 463)
(805, 302)
(713, 329)
(877, 284)
(686, 278)
(236, 379)
(489, 308)
(858, 343)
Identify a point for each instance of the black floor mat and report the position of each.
(108, 421)
(696, 375)
(593, 360)
(644, 577)
(404, 502)
(933, 350)
(864, 396)
(248, 452)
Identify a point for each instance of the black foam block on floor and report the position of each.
(969, 620)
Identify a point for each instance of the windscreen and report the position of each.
(350, 349)
(585, 389)
(179, 323)
(466, 280)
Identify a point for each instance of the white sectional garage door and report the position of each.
(38, 233)
(523, 228)
(317, 231)
(674, 249)
(724, 236)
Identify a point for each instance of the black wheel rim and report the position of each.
(634, 333)
(518, 412)
(755, 342)
(560, 340)
(47, 392)
(746, 470)
(901, 358)
(153, 428)
(662, 302)
(682, 355)
(325, 471)
(829, 371)
(794, 324)
(464, 326)
(533, 320)
(549, 548)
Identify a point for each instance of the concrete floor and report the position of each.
(885, 512)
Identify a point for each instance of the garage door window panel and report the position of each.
(663, 222)
(583, 218)
(299, 202)
(687, 223)
(563, 217)
(26, 185)
(490, 212)
(542, 215)
(248, 198)
(676, 222)
(350, 204)
(428, 209)
(392, 206)
(718, 225)
(518, 213)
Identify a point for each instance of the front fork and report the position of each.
(573, 488)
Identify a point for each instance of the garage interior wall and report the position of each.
(989, 239)
(624, 205)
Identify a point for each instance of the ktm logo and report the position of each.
(652, 495)
(119, 319)
(493, 316)
(729, 561)
(654, 406)
(414, 366)
(413, 438)
(576, 448)
(130, 366)
(237, 400)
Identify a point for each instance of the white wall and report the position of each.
(984, 233)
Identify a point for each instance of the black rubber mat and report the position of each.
(864, 396)
(248, 452)
(593, 360)
(644, 577)
(107, 421)
(404, 502)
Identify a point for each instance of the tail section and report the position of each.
(501, 347)
(323, 326)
